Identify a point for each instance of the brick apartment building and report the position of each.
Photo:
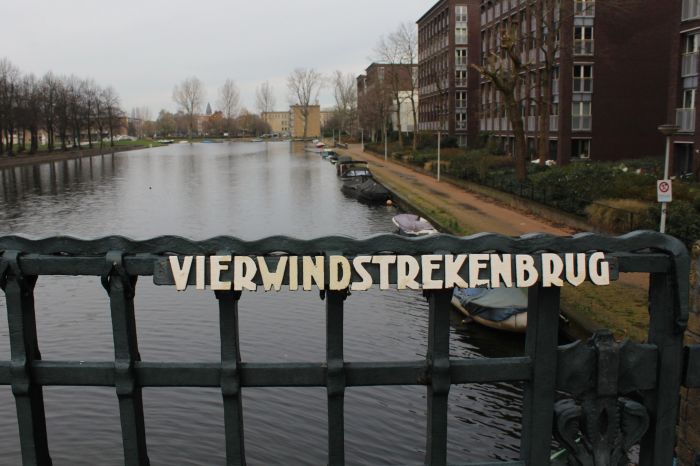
(376, 102)
(448, 43)
(609, 80)
(683, 86)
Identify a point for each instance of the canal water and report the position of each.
(248, 190)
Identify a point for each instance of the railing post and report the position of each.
(24, 349)
(335, 377)
(658, 444)
(538, 400)
(120, 288)
(231, 377)
(438, 360)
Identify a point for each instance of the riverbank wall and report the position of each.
(57, 156)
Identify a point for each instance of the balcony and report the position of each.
(691, 9)
(689, 64)
(554, 122)
(583, 47)
(531, 123)
(685, 120)
(584, 8)
(581, 122)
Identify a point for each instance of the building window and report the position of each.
(461, 99)
(581, 116)
(461, 13)
(381, 74)
(461, 57)
(461, 120)
(691, 9)
(688, 98)
(583, 40)
(581, 148)
(584, 8)
(460, 35)
(461, 78)
(583, 78)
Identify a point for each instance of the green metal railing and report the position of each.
(634, 387)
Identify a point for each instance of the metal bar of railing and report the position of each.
(120, 288)
(438, 360)
(335, 377)
(230, 378)
(24, 349)
(659, 441)
(538, 400)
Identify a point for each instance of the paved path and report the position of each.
(473, 213)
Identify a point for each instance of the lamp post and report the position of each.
(667, 130)
(386, 147)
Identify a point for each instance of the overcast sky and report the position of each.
(145, 47)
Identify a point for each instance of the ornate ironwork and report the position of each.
(617, 385)
(598, 427)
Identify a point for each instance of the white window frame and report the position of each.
(583, 83)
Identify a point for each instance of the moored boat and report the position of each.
(413, 225)
(351, 169)
(365, 189)
(498, 308)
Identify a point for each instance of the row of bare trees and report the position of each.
(65, 110)
(303, 85)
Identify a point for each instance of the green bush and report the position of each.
(620, 215)
(476, 165)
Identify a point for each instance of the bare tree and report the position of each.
(9, 83)
(229, 101)
(399, 50)
(345, 93)
(265, 98)
(112, 111)
(189, 95)
(304, 86)
(406, 40)
(506, 70)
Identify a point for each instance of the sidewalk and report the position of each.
(472, 213)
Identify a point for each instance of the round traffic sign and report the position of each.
(664, 186)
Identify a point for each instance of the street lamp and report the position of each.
(667, 130)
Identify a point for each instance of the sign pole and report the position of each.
(664, 186)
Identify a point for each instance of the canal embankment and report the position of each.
(461, 209)
(58, 155)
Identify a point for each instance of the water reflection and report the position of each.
(249, 190)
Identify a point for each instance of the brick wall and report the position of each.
(688, 448)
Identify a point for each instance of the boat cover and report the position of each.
(411, 224)
(495, 304)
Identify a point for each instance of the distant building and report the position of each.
(448, 87)
(278, 121)
(313, 121)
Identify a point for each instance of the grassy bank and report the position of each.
(620, 307)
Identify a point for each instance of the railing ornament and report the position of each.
(115, 266)
(597, 426)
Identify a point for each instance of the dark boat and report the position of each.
(497, 308)
(413, 225)
(365, 189)
(351, 168)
